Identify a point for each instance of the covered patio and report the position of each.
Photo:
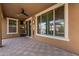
(37, 29)
(26, 46)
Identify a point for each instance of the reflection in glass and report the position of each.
(38, 25)
(59, 21)
(12, 26)
(50, 23)
(44, 24)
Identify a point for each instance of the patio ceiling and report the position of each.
(11, 10)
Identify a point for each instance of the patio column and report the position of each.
(1, 17)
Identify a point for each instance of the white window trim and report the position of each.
(66, 38)
(8, 26)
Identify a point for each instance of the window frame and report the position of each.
(8, 26)
(65, 38)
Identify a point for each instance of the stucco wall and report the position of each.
(73, 19)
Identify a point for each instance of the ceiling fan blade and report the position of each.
(25, 14)
(22, 12)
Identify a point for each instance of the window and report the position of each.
(50, 25)
(53, 22)
(59, 21)
(44, 24)
(12, 26)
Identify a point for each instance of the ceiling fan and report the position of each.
(22, 12)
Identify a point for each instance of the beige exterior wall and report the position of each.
(73, 28)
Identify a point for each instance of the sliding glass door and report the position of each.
(28, 28)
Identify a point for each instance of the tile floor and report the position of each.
(25, 46)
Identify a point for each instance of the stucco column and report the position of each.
(0, 32)
(1, 17)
